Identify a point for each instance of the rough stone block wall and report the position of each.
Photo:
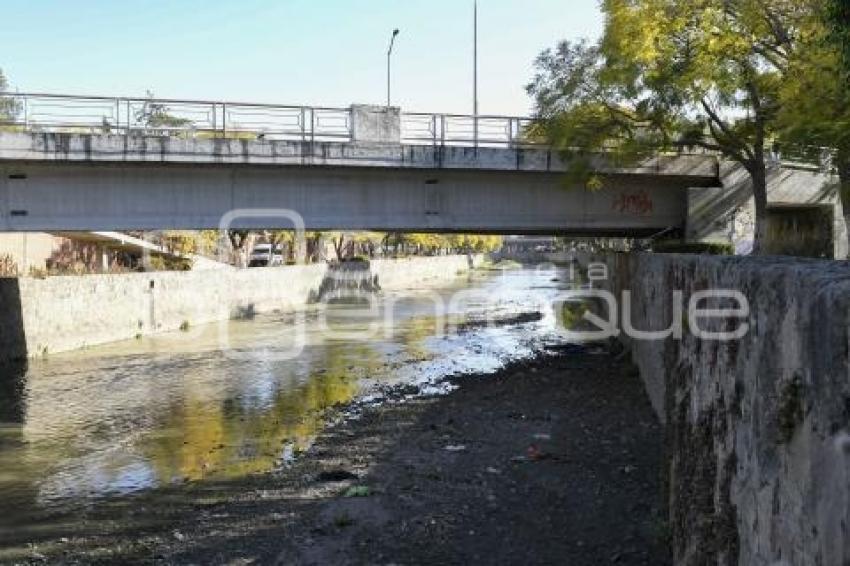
(757, 429)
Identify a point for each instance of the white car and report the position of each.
(263, 256)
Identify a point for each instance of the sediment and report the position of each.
(555, 460)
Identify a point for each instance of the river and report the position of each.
(247, 396)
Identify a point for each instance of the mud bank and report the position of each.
(550, 461)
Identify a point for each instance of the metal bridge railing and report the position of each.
(35, 112)
(456, 129)
(39, 112)
(171, 117)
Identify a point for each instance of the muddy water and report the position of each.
(243, 397)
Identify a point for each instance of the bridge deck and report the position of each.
(17, 148)
(113, 173)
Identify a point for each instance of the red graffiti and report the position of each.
(636, 203)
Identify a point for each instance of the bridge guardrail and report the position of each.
(42, 112)
(458, 129)
(148, 116)
(172, 117)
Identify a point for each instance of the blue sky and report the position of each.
(317, 52)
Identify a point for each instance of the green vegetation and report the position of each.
(838, 22)
(358, 491)
(572, 314)
(397, 243)
(9, 107)
(166, 263)
(157, 115)
(710, 74)
(815, 99)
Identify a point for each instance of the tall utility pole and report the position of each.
(389, 67)
(475, 73)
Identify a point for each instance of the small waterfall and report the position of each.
(349, 279)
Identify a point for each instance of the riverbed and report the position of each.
(442, 425)
(228, 400)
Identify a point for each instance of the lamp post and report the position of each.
(475, 74)
(389, 67)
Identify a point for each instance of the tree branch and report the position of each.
(720, 131)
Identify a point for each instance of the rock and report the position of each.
(332, 476)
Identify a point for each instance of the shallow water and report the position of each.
(242, 397)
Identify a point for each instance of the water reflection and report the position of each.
(178, 408)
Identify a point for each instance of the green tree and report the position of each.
(9, 107)
(673, 74)
(157, 115)
(241, 242)
(838, 23)
(815, 108)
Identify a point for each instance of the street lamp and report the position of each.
(389, 66)
(475, 73)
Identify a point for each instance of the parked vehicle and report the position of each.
(264, 256)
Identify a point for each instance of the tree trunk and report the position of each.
(758, 173)
(339, 243)
(843, 165)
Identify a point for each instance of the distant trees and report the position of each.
(157, 115)
(439, 244)
(238, 244)
(241, 242)
(348, 245)
(671, 74)
(9, 107)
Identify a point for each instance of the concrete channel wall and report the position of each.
(757, 429)
(57, 314)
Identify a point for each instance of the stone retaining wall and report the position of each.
(58, 314)
(757, 429)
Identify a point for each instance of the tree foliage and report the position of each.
(671, 74)
(436, 244)
(9, 107)
(815, 100)
(815, 95)
(838, 23)
(157, 115)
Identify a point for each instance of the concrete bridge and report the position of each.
(73, 163)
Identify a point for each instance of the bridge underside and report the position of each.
(101, 197)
